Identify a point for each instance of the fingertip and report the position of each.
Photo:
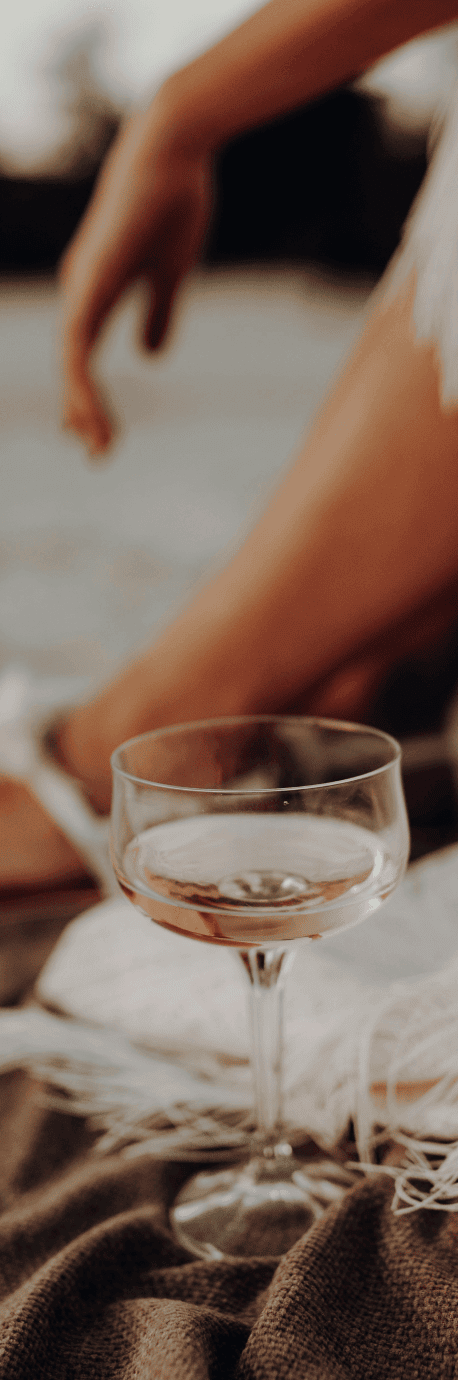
(87, 419)
(153, 337)
(96, 437)
(98, 442)
(157, 323)
(98, 447)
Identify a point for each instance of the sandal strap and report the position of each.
(24, 756)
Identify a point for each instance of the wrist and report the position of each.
(188, 117)
(164, 131)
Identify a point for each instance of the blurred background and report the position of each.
(330, 183)
(308, 212)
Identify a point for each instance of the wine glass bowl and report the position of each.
(301, 821)
(258, 832)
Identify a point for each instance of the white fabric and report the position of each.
(430, 250)
(374, 1004)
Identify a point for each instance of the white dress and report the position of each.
(429, 248)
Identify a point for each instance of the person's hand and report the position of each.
(146, 222)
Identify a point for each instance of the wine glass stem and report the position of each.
(266, 971)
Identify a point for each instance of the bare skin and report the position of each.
(150, 212)
(341, 576)
(344, 556)
(357, 552)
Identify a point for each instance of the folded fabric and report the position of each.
(93, 1287)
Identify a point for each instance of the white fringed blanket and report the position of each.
(157, 1047)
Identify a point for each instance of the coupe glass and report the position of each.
(258, 833)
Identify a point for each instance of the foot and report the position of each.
(35, 853)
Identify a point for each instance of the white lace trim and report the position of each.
(429, 250)
(428, 1177)
(416, 1030)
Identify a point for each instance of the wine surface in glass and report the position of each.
(252, 878)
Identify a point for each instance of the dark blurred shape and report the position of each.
(39, 214)
(37, 219)
(31, 922)
(432, 806)
(412, 703)
(415, 696)
(322, 184)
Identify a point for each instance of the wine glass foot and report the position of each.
(259, 1210)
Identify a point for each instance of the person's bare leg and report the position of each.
(358, 538)
(360, 535)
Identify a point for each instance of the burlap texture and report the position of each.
(94, 1288)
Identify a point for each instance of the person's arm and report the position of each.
(284, 55)
(150, 212)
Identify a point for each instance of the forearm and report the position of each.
(284, 55)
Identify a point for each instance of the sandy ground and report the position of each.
(94, 559)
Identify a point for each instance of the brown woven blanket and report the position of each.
(94, 1288)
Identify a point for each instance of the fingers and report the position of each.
(85, 306)
(146, 220)
(84, 410)
(83, 415)
(91, 285)
(159, 314)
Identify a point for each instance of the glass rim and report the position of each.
(233, 720)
